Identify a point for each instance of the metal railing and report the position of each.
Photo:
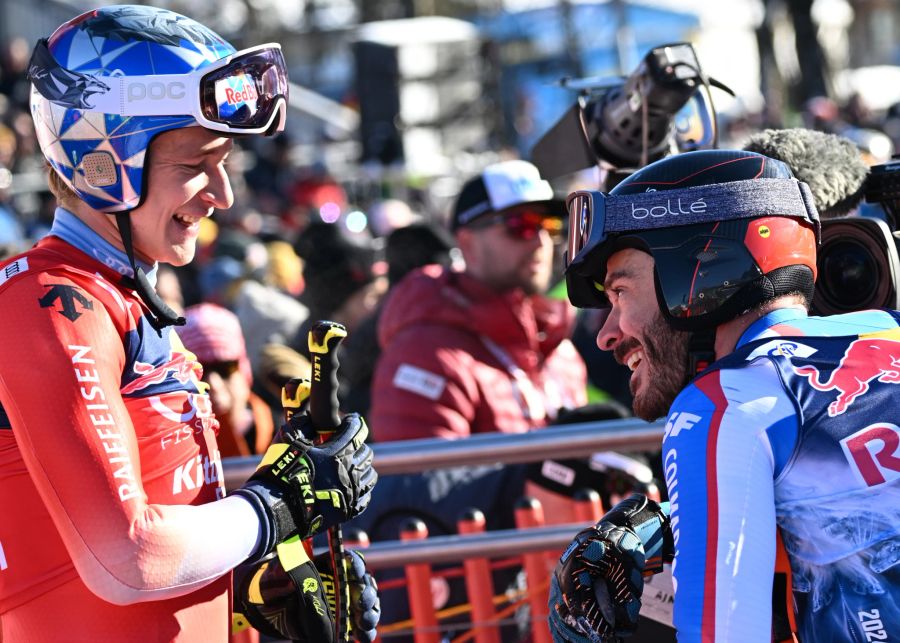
(567, 441)
(499, 543)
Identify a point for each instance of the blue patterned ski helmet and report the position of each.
(90, 52)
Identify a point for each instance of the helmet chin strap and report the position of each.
(161, 315)
(701, 350)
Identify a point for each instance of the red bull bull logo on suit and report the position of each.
(874, 356)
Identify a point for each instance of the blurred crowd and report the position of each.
(875, 132)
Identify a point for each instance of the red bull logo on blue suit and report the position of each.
(874, 356)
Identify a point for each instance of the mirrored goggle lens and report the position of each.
(580, 220)
(698, 273)
(245, 93)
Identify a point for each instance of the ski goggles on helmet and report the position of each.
(244, 93)
(524, 224)
(668, 224)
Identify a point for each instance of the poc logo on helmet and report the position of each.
(695, 207)
(156, 90)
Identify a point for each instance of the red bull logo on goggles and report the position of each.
(665, 223)
(244, 93)
(239, 89)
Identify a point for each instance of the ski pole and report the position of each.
(324, 337)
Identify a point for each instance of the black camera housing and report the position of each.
(629, 122)
(858, 266)
(858, 260)
(633, 124)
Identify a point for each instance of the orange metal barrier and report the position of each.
(481, 553)
(355, 538)
(588, 507)
(479, 584)
(487, 615)
(418, 580)
(529, 513)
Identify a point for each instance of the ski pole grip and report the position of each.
(293, 394)
(324, 337)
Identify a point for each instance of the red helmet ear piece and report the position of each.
(776, 242)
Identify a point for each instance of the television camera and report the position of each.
(858, 261)
(665, 107)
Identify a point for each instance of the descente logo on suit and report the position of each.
(696, 207)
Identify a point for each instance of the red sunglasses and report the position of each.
(525, 225)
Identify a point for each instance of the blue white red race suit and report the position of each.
(797, 433)
(110, 527)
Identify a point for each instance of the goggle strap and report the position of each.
(158, 96)
(746, 199)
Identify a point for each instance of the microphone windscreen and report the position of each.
(831, 165)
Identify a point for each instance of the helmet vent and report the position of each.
(99, 169)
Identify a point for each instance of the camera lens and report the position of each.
(856, 267)
(849, 271)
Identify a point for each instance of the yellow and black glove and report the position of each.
(301, 489)
(290, 596)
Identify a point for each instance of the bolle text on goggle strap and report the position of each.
(720, 202)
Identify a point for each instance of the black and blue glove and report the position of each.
(300, 489)
(365, 606)
(595, 592)
(292, 598)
